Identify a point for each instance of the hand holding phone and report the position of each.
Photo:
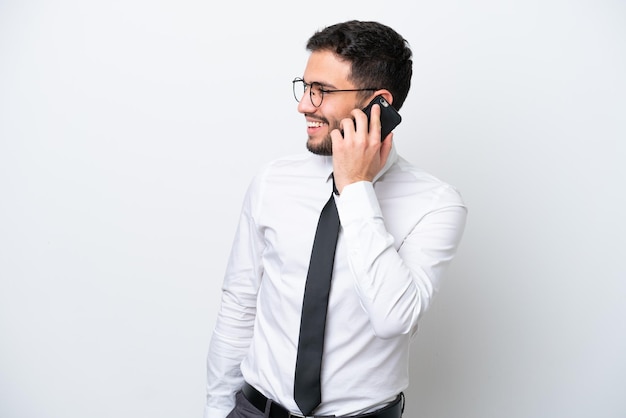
(350, 166)
(389, 116)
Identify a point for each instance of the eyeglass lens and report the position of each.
(300, 87)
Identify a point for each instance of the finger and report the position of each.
(347, 126)
(375, 123)
(360, 121)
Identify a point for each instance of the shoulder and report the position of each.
(405, 178)
(294, 166)
(288, 173)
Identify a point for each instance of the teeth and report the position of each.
(314, 124)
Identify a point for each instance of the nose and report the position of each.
(305, 105)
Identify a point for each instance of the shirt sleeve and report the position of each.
(396, 282)
(235, 319)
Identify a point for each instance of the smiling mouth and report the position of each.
(315, 124)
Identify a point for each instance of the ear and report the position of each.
(386, 95)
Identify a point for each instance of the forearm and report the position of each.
(229, 345)
(396, 276)
(234, 326)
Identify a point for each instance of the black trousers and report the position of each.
(244, 409)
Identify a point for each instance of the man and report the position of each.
(400, 227)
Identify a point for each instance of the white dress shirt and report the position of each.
(397, 235)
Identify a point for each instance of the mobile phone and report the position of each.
(389, 116)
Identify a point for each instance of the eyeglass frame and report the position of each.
(322, 90)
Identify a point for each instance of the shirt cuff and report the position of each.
(211, 412)
(358, 201)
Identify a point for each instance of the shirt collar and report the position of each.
(327, 165)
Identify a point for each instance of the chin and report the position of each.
(321, 148)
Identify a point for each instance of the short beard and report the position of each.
(324, 148)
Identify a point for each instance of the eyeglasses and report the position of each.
(316, 91)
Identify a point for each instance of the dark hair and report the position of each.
(379, 56)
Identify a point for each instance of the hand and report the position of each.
(359, 154)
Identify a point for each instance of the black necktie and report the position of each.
(307, 389)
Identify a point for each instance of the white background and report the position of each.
(129, 131)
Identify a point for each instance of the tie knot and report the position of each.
(335, 191)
